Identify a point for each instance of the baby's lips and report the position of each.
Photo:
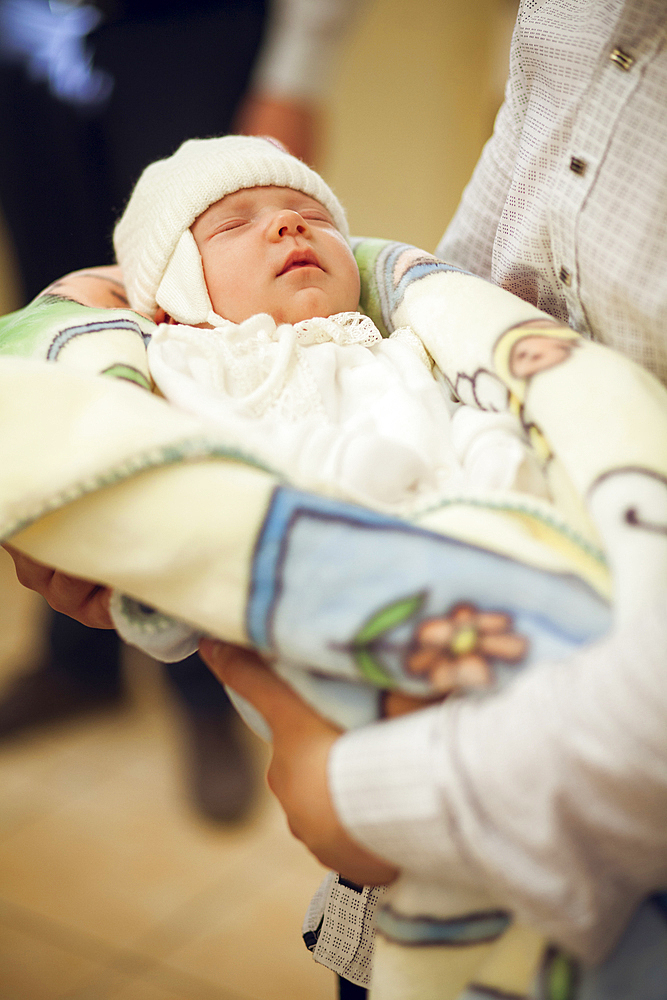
(299, 258)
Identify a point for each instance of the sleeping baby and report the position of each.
(240, 253)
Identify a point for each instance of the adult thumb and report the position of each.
(246, 673)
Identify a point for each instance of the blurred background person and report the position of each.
(89, 95)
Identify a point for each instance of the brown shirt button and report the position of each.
(565, 276)
(622, 59)
(577, 166)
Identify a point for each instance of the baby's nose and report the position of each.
(288, 223)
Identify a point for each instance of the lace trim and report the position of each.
(265, 366)
(342, 328)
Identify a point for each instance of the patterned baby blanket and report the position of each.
(107, 481)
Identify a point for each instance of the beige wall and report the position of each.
(415, 101)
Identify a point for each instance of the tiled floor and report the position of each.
(112, 889)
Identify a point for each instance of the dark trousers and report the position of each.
(92, 658)
(348, 990)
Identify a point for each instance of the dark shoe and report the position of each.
(48, 695)
(221, 775)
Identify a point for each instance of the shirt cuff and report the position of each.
(385, 781)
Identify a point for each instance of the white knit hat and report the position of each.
(154, 246)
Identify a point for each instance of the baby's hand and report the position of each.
(87, 602)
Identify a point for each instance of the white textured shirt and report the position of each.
(552, 795)
(568, 205)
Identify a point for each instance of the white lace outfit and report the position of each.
(334, 407)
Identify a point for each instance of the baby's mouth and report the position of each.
(298, 259)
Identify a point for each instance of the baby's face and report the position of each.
(274, 250)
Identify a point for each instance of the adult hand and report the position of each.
(87, 602)
(100, 287)
(297, 774)
(291, 122)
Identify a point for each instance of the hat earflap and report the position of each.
(182, 292)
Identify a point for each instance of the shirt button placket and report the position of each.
(577, 166)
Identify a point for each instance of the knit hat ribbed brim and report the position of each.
(172, 193)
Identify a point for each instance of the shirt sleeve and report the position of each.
(550, 795)
(302, 41)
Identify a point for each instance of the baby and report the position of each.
(240, 253)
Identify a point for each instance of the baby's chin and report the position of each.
(305, 306)
(302, 304)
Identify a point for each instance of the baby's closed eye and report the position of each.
(230, 224)
(312, 215)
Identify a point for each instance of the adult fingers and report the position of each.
(31, 574)
(87, 602)
(247, 674)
